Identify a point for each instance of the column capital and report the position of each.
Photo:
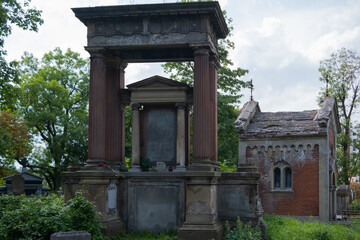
(116, 62)
(201, 51)
(135, 106)
(96, 52)
(181, 105)
(189, 107)
(214, 60)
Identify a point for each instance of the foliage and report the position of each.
(226, 166)
(284, 228)
(40, 216)
(4, 172)
(14, 138)
(144, 164)
(53, 99)
(355, 205)
(241, 232)
(342, 70)
(12, 12)
(229, 83)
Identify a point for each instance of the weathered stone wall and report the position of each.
(303, 198)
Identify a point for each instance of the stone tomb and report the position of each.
(161, 128)
(187, 197)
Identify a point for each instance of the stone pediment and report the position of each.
(157, 82)
(27, 177)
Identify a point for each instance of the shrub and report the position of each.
(355, 205)
(241, 232)
(37, 217)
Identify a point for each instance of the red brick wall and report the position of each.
(304, 162)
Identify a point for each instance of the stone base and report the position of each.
(201, 232)
(112, 227)
(202, 165)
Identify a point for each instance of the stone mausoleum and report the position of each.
(295, 152)
(194, 197)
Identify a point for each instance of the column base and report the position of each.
(201, 232)
(135, 168)
(180, 169)
(96, 164)
(203, 165)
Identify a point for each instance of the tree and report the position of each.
(21, 15)
(53, 98)
(14, 142)
(342, 70)
(229, 85)
(14, 138)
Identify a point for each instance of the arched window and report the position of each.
(277, 177)
(282, 176)
(288, 178)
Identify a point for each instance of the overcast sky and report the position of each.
(280, 42)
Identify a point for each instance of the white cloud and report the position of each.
(270, 26)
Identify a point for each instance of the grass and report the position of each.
(286, 228)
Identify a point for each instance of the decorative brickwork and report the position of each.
(304, 162)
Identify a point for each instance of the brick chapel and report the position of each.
(295, 152)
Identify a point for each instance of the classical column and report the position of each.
(213, 107)
(180, 136)
(202, 113)
(115, 116)
(97, 109)
(135, 141)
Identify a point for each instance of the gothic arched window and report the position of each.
(282, 176)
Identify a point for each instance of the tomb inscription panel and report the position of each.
(161, 136)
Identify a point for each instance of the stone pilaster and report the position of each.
(213, 106)
(180, 136)
(115, 115)
(97, 109)
(202, 113)
(135, 141)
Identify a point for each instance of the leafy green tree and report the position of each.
(53, 98)
(12, 12)
(14, 138)
(342, 70)
(230, 83)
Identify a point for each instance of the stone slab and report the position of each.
(75, 235)
(161, 136)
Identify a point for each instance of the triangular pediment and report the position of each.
(157, 82)
(27, 177)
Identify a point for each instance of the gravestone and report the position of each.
(161, 136)
(18, 184)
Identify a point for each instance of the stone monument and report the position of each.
(186, 195)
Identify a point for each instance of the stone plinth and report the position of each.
(75, 235)
(201, 207)
(105, 189)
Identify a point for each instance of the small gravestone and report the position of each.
(18, 184)
(75, 235)
(160, 167)
(111, 198)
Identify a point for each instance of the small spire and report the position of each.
(251, 88)
(327, 85)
